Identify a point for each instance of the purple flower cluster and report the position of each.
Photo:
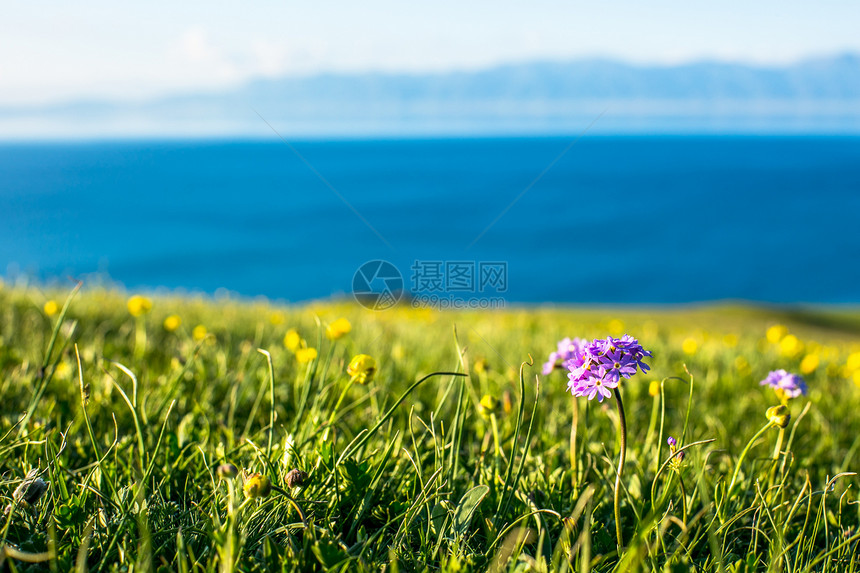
(567, 349)
(785, 384)
(598, 366)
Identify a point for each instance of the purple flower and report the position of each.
(599, 366)
(566, 350)
(785, 384)
(594, 386)
(672, 442)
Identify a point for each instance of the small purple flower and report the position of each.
(672, 442)
(785, 384)
(599, 366)
(567, 348)
(595, 386)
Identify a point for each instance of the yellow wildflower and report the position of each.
(362, 368)
(615, 327)
(51, 308)
(199, 332)
(63, 370)
(775, 333)
(809, 363)
(853, 362)
(172, 322)
(790, 346)
(277, 318)
(338, 329)
(139, 305)
(305, 355)
(654, 388)
(689, 346)
(292, 340)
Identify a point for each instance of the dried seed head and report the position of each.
(31, 489)
(227, 471)
(296, 477)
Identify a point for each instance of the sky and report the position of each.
(54, 51)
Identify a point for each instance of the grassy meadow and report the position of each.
(134, 430)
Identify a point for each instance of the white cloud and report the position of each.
(196, 47)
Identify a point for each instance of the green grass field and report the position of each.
(126, 419)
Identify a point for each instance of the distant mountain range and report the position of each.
(812, 96)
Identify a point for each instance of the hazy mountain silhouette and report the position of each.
(820, 95)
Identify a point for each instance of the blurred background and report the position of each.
(598, 154)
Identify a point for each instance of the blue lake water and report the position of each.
(615, 219)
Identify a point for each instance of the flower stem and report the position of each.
(683, 497)
(139, 337)
(574, 466)
(340, 399)
(622, 423)
(778, 447)
(758, 434)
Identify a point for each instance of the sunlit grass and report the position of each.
(134, 410)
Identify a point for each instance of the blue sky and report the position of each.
(57, 51)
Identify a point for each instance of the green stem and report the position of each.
(683, 497)
(340, 400)
(622, 428)
(778, 445)
(497, 450)
(758, 434)
(574, 461)
(139, 337)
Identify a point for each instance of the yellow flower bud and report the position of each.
(778, 415)
(257, 485)
(362, 368)
(139, 305)
(480, 366)
(654, 388)
(507, 402)
(488, 405)
(338, 329)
